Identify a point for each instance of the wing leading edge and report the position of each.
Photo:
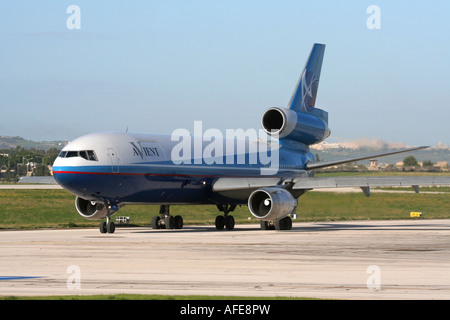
(365, 183)
(324, 164)
(240, 188)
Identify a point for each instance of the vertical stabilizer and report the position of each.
(304, 97)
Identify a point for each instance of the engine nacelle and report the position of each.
(308, 128)
(272, 203)
(90, 209)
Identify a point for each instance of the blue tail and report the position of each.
(301, 121)
(304, 97)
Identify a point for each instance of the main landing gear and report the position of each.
(226, 220)
(165, 220)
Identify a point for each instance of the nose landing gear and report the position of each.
(108, 226)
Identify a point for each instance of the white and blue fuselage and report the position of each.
(126, 168)
(108, 170)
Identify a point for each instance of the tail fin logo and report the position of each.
(308, 90)
(304, 97)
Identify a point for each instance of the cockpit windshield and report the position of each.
(85, 154)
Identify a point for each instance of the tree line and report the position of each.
(17, 162)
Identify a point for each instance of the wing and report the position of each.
(365, 183)
(324, 164)
(241, 188)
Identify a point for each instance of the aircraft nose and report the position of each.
(57, 162)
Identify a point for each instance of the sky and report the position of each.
(156, 66)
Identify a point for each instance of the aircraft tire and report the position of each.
(102, 227)
(284, 224)
(178, 222)
(267, 225)
(110, 227)
(169, 221)
(220, 222)
(155, 222)
(229, 222)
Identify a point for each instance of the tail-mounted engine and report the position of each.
(272, 203)
(308, 128)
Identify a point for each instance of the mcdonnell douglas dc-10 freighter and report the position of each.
(109, 170)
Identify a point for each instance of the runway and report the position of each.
(408, 259)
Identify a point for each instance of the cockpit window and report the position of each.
(91, 155)
(72, 154)
(85, 154)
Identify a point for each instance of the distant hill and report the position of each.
(7, 142)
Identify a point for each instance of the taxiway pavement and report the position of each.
(407, 259)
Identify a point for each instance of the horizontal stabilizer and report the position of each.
(324, 164)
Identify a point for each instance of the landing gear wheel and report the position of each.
(155, 222)
(169, 222)
(110, 227)
(165, 220)
(220, 222)
(178, 222)
(284, 224)
(107, 227)
(229, 222)
(225, 220)
(102, 227)
(267, 225)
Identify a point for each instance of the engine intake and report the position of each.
(90, 209)
(272, 203)
(308, 128)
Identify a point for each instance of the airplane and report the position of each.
(106, 171)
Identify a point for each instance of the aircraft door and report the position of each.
(112, 154)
